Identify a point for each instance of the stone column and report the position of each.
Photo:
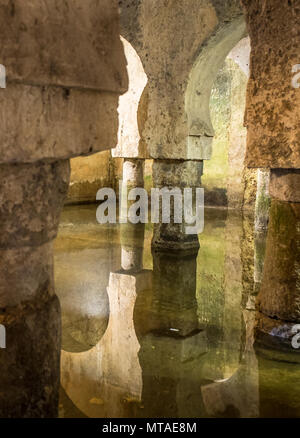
(133, 172)
(279, 296)
(272, 119)
(133, 177)
(44, 121)
(174, 174)
(273, 96)
(132, 246)
(262, 204)
(262, 207)
(31, 198)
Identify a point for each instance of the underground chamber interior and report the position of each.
(128, 315)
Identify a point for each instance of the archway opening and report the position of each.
(226, 181)
(85, 252)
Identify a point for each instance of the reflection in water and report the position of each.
(29, 378)
(176, 338)
(279, 296)
(171, 344)
(279, 312)
(152, 334)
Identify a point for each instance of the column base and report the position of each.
(189, 244)
(274, 337)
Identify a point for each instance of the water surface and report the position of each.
(163, 334)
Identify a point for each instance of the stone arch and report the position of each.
(201, 79)
(129, 136)
(92, 172)
(225, 179)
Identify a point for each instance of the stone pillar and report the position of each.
(272, 119)
(31, 198)
(279, 295)
(262, 204)
(259, 259)
(133, 172)
(44, 121)
(273, 99)
(175, 174)
(132, 246)
(262, 207)
(133, 177)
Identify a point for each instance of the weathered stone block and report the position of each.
(26, 274)
(285, 184)
(272, 114)
(60, 42)
(43, 123)
(31, 199)
(177, 173)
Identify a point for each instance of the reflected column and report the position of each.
(172, 345)
(105, 381)
(279, 296)
(279, 312)
(120, 365)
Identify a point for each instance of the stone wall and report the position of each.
(89, 174)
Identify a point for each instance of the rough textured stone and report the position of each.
(61, 57)
(62, 42)
(50, 123)
(65, 70)
(31, 198)
(202, 76)
(26, 273)
(133, 177)
(272, 115)
(285, 184)
(168, 173)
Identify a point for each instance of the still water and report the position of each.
(165, 335)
